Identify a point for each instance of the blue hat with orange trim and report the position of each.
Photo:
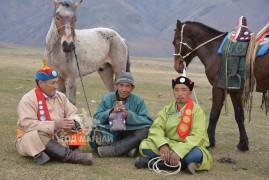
(46, 73)
(183, 80)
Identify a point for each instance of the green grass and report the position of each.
(153, 82)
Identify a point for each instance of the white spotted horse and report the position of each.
(98, 49)
(193, 39)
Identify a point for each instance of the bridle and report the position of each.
(192, 50)
(65, 25)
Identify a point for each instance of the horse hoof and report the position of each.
(242, 147)
(211, 146)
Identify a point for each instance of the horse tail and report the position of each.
(128, 64)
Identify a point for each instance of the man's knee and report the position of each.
(45, 138)
(195, 155)
(142, 133)
(100, 137)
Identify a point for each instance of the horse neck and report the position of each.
(208, 52)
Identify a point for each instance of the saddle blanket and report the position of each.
(231, 74)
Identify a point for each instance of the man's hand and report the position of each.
(174, 159)
(120, 107)
(64, 124)
(165, 152)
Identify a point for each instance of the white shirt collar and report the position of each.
(47, 97)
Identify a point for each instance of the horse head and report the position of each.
(183, 47)
(65, 20)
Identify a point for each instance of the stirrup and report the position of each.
(235, 82)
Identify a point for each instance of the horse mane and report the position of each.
(203, 26)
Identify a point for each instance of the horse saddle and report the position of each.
(233, 51)
(241, 32)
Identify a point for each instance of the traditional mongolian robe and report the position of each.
(29, 143)
(164, 130)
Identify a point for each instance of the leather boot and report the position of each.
(120, 147)
(63, 154)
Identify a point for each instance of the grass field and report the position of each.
(153, 82)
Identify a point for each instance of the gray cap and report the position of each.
(126, 77)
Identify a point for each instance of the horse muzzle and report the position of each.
(178, 65)
(68, 46)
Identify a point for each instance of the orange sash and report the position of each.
(19, 133)
(75, 138)
(184, 125)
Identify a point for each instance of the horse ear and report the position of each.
(56, 4)
(77, 4)
(178, 26)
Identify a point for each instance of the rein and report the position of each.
(192, 50)
(79, 72)
(80, 76)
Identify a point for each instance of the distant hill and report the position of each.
(147, 25)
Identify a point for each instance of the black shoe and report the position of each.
(141, 162)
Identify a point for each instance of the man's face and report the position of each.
(181, 94)
(49, 87)
(124, 90)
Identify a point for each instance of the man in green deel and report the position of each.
(179, 134)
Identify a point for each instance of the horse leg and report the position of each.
(240, 118)
(71, 83)
(106, 74)
(217, 103)
(61, 85)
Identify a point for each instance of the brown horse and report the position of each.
(195, 39)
